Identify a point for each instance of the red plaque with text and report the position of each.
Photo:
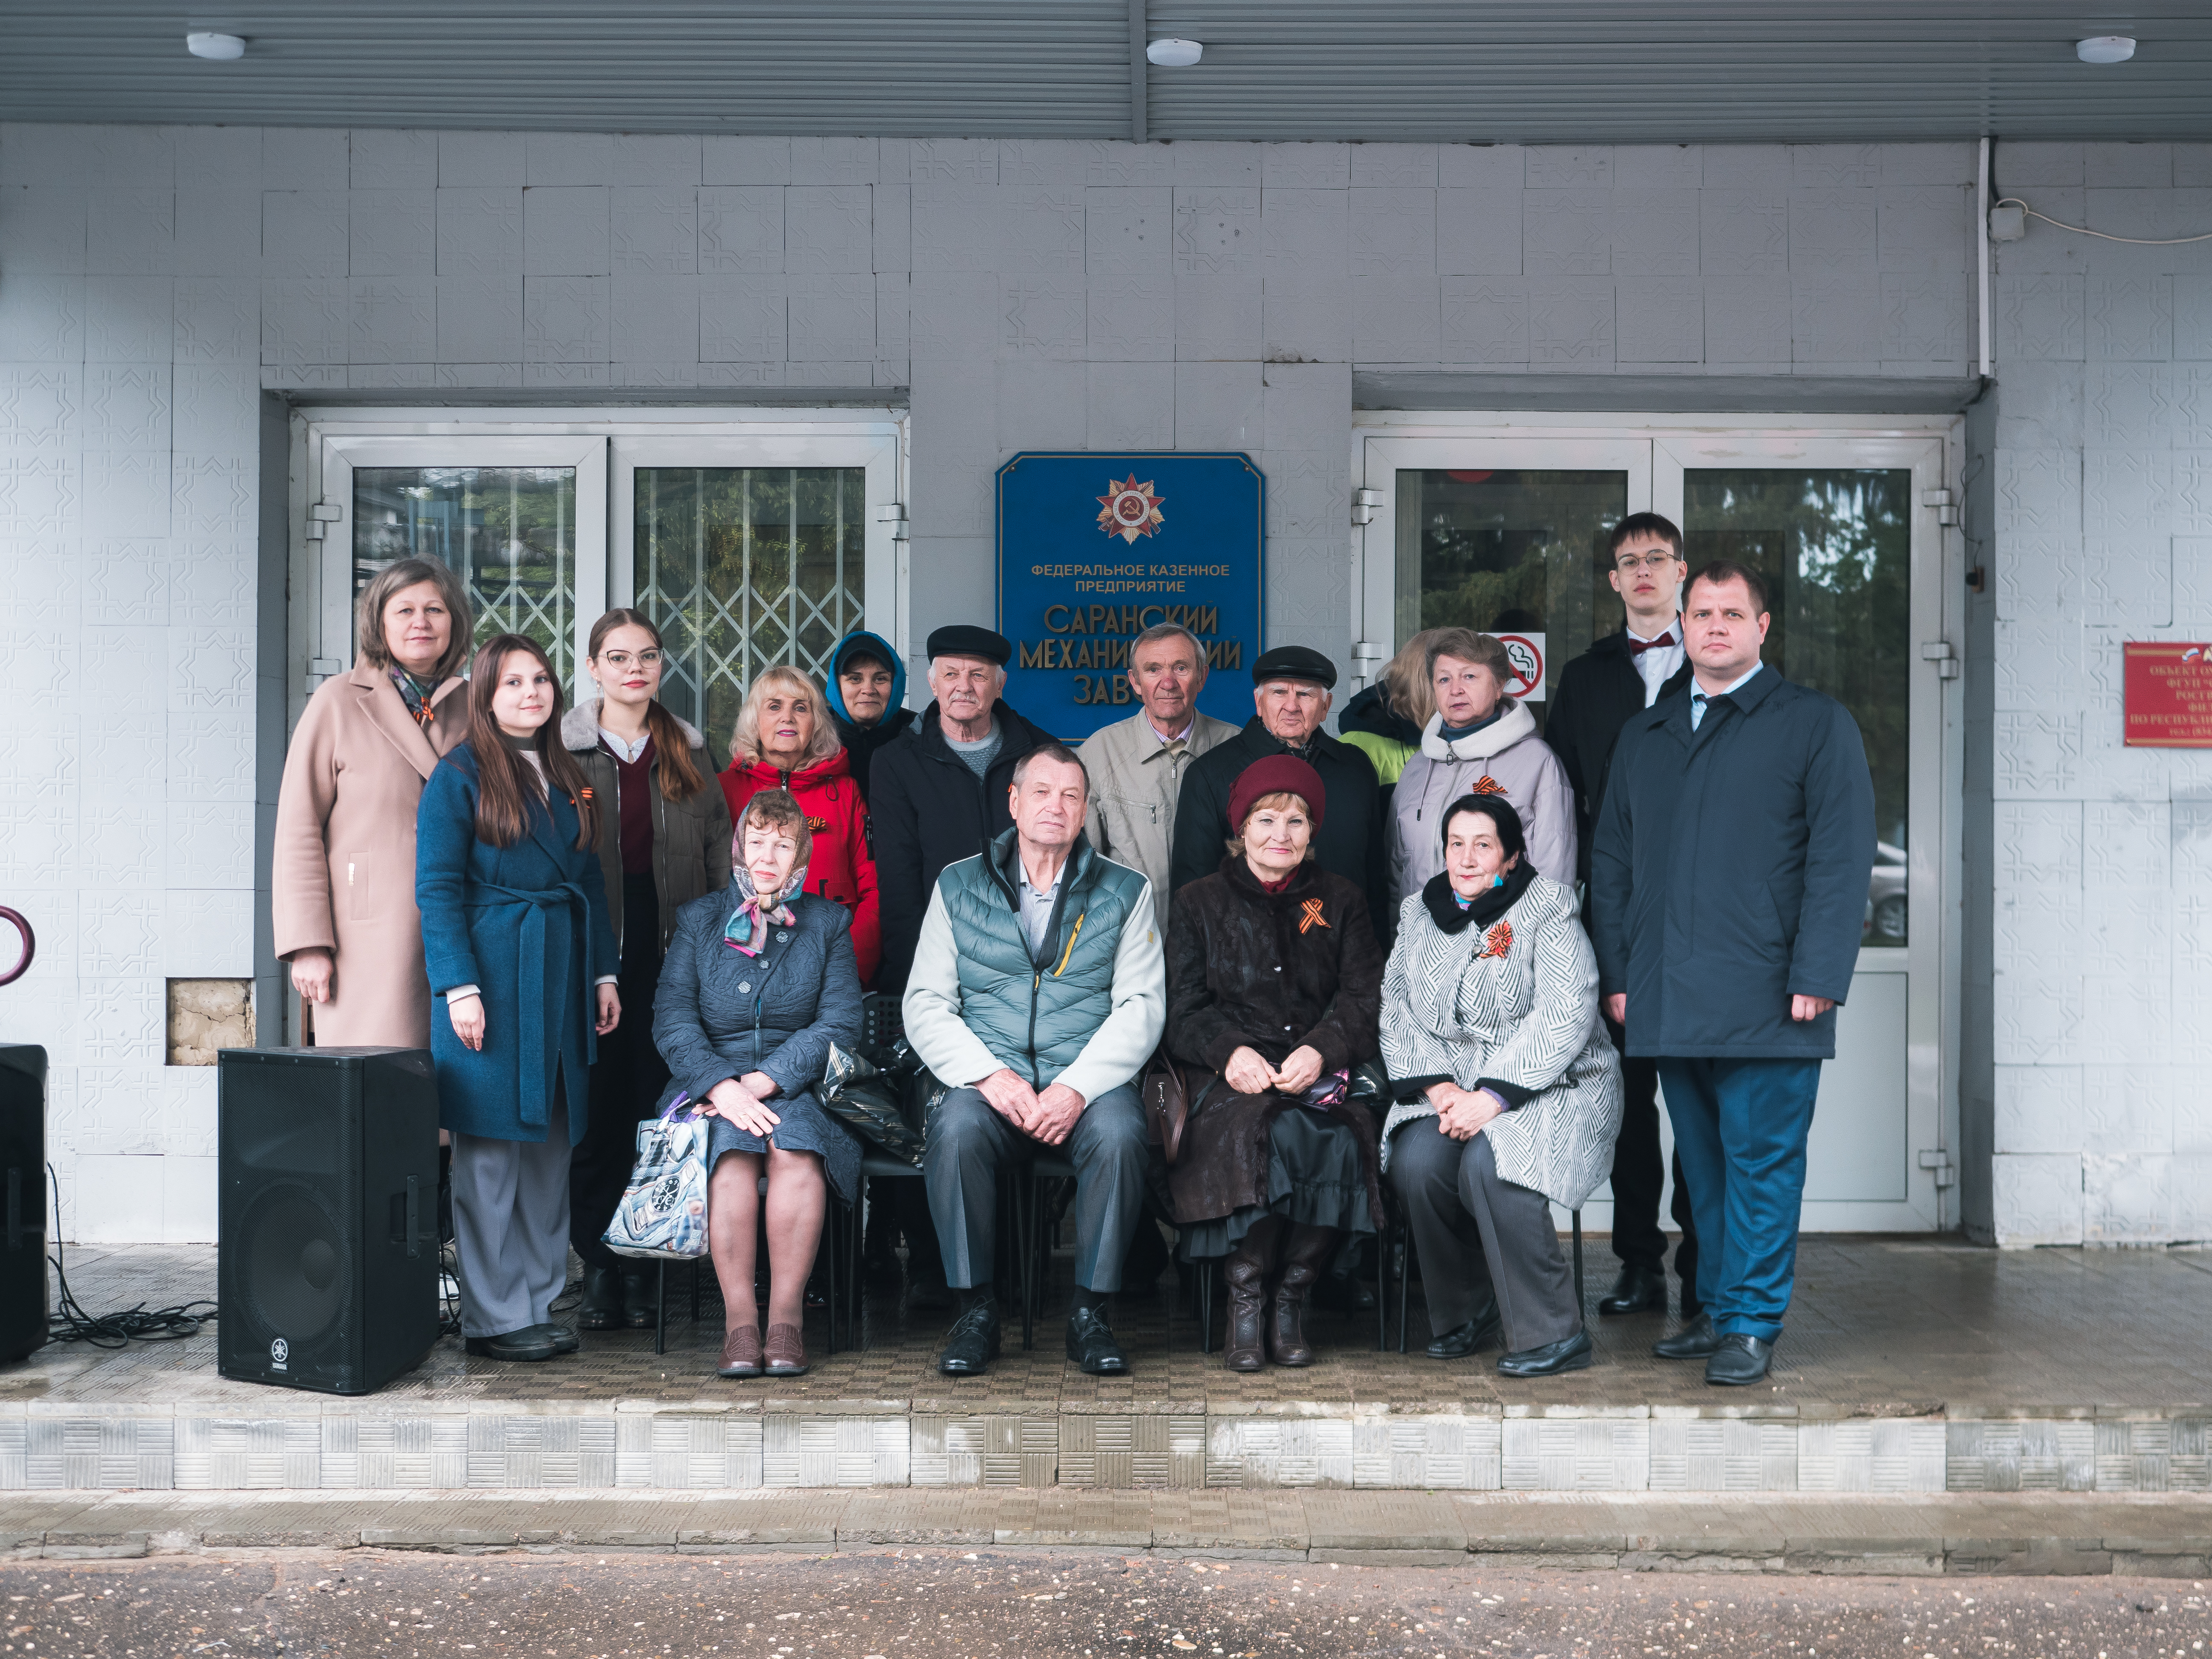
(2169, 694)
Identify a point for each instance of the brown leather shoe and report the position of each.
(1305, 1258)
(1246, 1272)
(787, 1351)
(741, 1352)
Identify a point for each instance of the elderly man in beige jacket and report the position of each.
(1137, 765)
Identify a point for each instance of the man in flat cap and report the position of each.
(1291, 697)
(937, 793)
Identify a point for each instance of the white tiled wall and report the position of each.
(2104, 853)
(1206, 295)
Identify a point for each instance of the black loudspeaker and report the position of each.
(327, 1273)
(23, 1169)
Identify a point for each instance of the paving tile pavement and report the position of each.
(2168, 1536)
(1880, 1327)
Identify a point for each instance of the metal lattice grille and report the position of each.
(742, 568)
(508, 531)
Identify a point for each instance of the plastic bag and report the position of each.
(865, 1102)
(663, 1212)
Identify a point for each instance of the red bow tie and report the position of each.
(1637, 647)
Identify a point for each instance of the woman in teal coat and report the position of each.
(517, 940)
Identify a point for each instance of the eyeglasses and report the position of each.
(620, 660)
(1654, 562)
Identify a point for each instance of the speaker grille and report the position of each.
(298, 1268)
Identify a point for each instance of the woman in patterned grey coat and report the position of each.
(1508, 1094)
(759, 981)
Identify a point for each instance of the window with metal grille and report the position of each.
(742, 568)
(509, 532)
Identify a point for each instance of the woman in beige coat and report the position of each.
(341, 890)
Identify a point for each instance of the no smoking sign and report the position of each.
(1526, 652)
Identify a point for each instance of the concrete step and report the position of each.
(2166, 1536)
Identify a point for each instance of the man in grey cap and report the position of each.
(1291, 698)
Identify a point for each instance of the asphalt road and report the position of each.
(949, 1602)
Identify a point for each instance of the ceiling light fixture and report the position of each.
(2106, 49)
(1173, 53)
(223, 48)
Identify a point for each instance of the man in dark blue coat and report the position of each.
(1727, 891)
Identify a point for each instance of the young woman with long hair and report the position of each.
(664, 840)
(516, 939)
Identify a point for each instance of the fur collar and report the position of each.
(1501, 734)
(579, 728)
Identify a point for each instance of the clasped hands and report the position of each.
(743, 1102)
(1248, 1074)
(1047, 1114)
(1461, 1113)
(467, 1014)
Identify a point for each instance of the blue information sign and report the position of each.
(1094, 548)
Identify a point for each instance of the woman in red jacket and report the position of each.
(786, 740)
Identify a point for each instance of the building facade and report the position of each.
(201, 328)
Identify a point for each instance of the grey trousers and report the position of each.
(1477, 1233)
(511, 1226)
(969, 1144)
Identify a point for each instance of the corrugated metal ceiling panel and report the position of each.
(1462, 70)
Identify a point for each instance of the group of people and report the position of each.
(1360, 963)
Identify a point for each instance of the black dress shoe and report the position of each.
(601, 1309)
(1570, 1353)
(529, 1343)
(1091, 1345)
(1640, 1289)
(640, 1290)
(563, 1339)
(1696, 1340)
(973, 1342)
(1478, 1333)
(1739, 1360)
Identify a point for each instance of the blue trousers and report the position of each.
(970, 1143)
(1739, 1125)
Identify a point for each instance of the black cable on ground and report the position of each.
(69, 1322)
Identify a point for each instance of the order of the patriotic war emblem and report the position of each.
(1129, 510)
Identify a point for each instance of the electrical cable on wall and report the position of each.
(2079, 230)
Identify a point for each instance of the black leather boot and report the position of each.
(1247, 1271)
(641, 1288)
(1305, 1258)
(601, 1309)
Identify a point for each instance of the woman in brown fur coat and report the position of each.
(1274, 988)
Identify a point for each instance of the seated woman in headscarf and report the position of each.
(759, 981)
(1273, 975)
(1508, 1091)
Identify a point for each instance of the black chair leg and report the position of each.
(1382, 1295)
(1204, 1267)
(697, 1262)
(661, 1307)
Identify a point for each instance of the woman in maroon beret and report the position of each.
(1274, 991)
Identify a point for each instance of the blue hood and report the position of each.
(878, 646)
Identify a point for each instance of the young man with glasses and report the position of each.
(1620, 675)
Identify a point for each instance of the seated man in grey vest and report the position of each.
(1038, 992)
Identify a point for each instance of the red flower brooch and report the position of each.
(1497, 941)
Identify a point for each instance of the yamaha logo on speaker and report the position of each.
(280, 1351)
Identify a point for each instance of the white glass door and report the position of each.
(522, 519)
(1506, 534)
(753, 550)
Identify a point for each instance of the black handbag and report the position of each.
(1167, 1103)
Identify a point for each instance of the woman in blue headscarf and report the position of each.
(759, 981)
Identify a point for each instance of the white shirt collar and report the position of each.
(1673, 628)
(1698, 691)
(623, 746)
